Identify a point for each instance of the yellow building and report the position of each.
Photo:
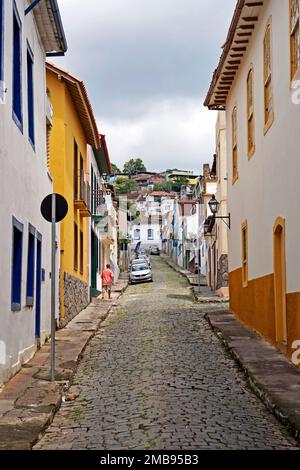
(73, 127)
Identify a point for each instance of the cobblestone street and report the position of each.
(156, 377)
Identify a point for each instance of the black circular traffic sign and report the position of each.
(61, 208)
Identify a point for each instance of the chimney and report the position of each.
(206, 170)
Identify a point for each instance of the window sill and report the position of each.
(295, 78)
(235, 178)
(18, 123)
(32, 144)
(15, 307)
(268, 125)
(251, 153)
(29, 301)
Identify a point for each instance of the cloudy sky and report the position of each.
(147, 65)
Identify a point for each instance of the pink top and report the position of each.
(107, 277)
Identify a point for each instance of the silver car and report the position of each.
(140, 272)
(141, 261)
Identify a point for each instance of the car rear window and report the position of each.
(139, 267)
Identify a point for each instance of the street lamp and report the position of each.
(214, 206)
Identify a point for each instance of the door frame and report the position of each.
(38, 286)
(280, 280)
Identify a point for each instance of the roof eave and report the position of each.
(49, 24)
(236, 45)
(90, 130)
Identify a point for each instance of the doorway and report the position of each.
(280, 281)
(38, 288)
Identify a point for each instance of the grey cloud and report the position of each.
(136, 55)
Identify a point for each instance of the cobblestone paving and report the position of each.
(156, 377)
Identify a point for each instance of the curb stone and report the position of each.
(275, 399)
(198, 298)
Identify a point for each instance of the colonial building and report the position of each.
(206, 188)
(74, 127)
(255, 84)
(24, 178)
(216, 229)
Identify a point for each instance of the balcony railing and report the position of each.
(82, 198)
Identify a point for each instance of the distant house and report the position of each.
(147, 180)
(148, 229)
(216, 230)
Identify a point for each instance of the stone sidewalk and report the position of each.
(274, 379)
(206, 296)
(29, 401)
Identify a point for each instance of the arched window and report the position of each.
(137, 234)
(150, 234)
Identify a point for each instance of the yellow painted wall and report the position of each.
(67, 127)
(255, 306)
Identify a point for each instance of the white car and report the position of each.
(140, 272)
(141, 261)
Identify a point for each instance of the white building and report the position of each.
(216, 238)
(257, 83)
(103, 223)
(24, 177)
(147, 229)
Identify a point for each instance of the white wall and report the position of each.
(268, 184)
(221, 193)
(24, 183)
(145, 243)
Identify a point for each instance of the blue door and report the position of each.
(38, 288)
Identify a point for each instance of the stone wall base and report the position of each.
(222, 275)
(76, 298)
(223, 293)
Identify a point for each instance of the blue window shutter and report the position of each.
(30, 95)
(17, 69)
(30, 267)
(17, 265)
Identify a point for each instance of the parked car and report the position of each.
(145, 258)
(141, 261)
(155, 251)
(140, 272)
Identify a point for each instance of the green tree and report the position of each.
(126, 186)
(178, 182)
(115, 168)
(165, 186)
(133, 166)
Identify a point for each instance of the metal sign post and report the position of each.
(53, 272)
(54, 209)
(199, 247)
